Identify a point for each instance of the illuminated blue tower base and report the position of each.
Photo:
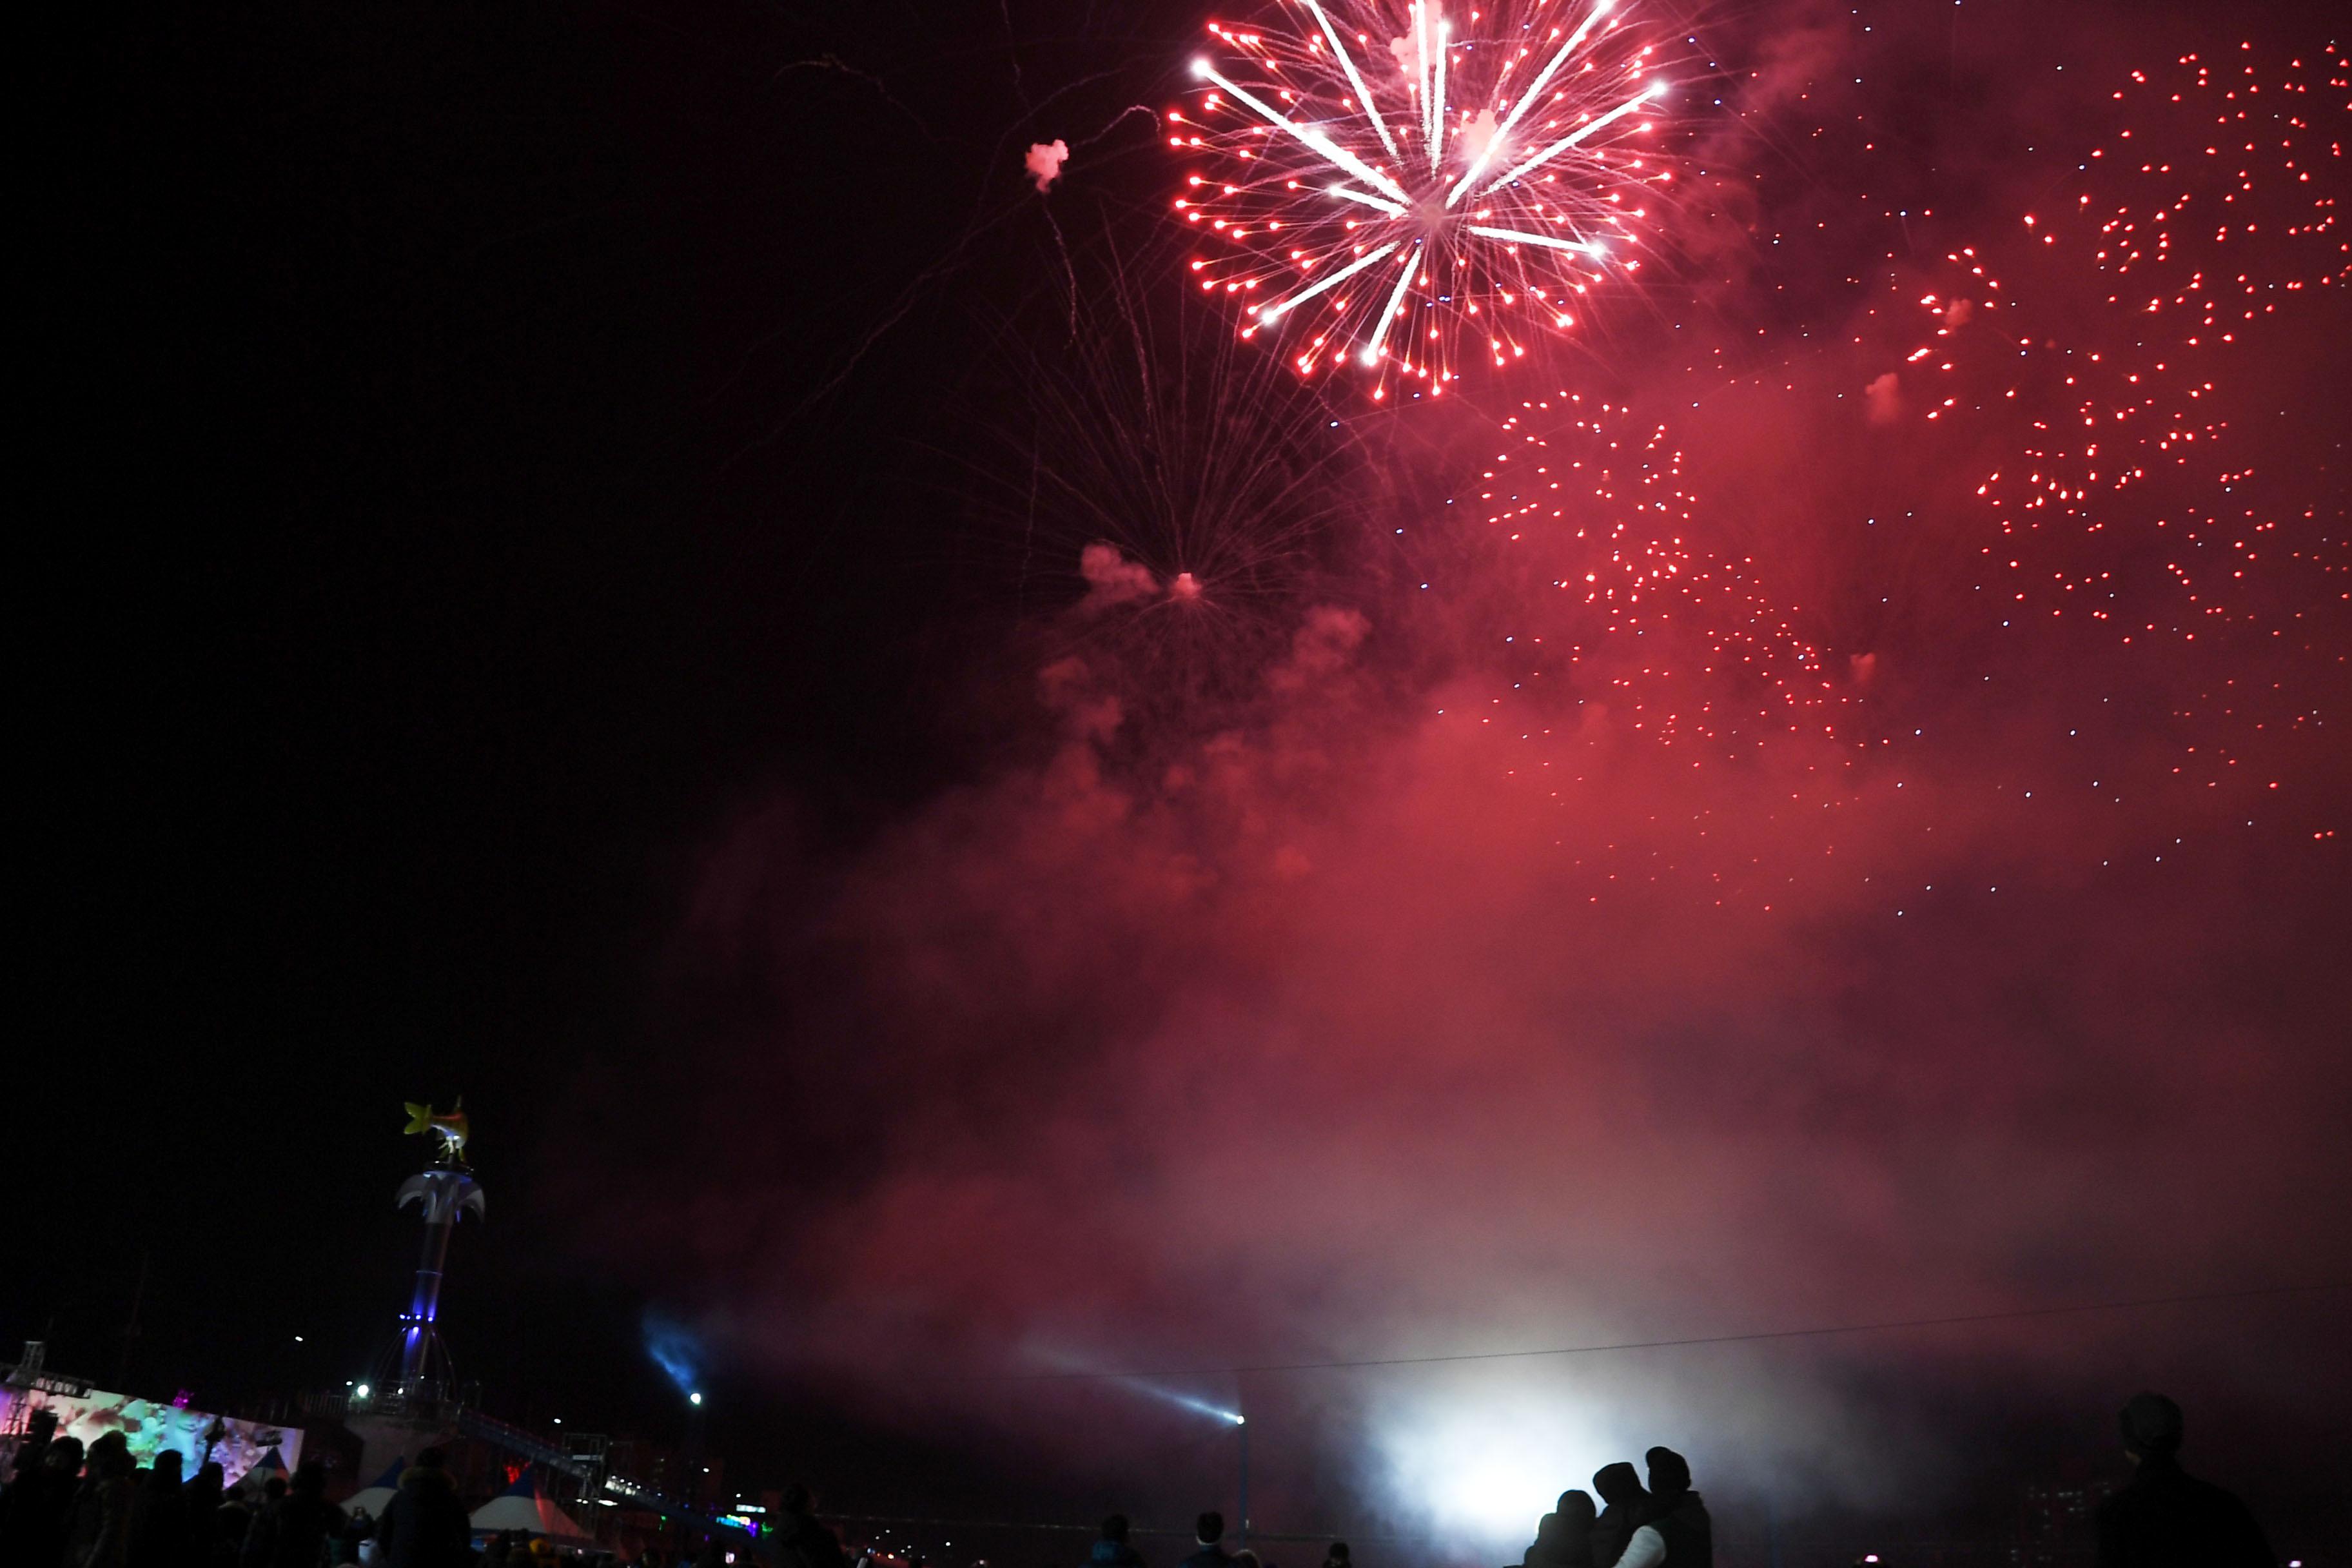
(440, 1193)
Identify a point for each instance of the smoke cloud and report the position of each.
(1883, 398)
(1044, 162)
(1450, 995)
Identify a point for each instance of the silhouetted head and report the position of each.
(1619, 1484)
(63, 1457)
(109, 1453)
(1576, 1511)
(1246, 1558)
(1669, 1474)
(1338, 1556)
(310, 1477)
(2151, 1425)
(431, 1460)
(1210, 1527)
(274, 1488)
(167, 1466)
(797, 1499)
(1115, 1528)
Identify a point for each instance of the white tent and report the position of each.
(524, 1506)
(371, 1499)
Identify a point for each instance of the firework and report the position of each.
(1408, 190)
(1171, 503)
(2099, 348)
(1613, 602)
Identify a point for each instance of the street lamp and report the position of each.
(1241, 1435)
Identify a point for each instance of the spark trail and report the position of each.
(1403, 191)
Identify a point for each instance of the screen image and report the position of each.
(150, 1428)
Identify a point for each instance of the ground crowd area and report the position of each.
(71, 1504)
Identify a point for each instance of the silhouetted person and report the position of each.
(357, 1527)
(2166, 1517)
(1627, 1505)
(1675, 1529)
(1110, 1548)
(803, 1540)
(40, 1500)
(98, 1529)
(1208, 1540)
(1564, 1536)
(259, 1547)
(1678, 1512)
(306, 1520)
(201, 1496)
(24, 1482)
(1336, 1556)
(235, 1518)
(425, 1525)
(159, 1515)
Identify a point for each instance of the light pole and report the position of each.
(1241, 1432)
(690, 1479)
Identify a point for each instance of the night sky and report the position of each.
(955, 824)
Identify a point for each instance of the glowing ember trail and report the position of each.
(2103, 344)
(1407, 190)
(1619, 606)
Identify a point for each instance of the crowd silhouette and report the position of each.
(64, 1505)
(1638, 1527)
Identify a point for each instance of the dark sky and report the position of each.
(541, 592)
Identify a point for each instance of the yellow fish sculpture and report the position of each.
(450, 1128)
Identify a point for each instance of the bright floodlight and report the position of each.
(1240, 1420)
(1201, 67)
(362, 1391)
(693, 1398)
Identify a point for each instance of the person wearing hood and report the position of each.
(1564, 1536)
(1620, 1486)
(2166, 1517)
(1111, 1550)
(1675, 1528)
(425, 1525)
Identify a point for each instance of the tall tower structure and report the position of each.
(442, 1190)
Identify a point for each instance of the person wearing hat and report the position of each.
(1675, 1529)
(2166, 1517)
